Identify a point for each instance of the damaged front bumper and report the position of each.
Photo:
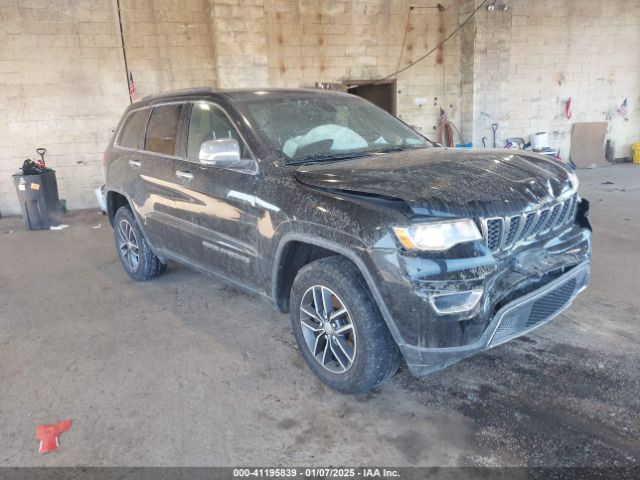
(516, 318)
(490, 298)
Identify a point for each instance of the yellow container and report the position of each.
(636, 152)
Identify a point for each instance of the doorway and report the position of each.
(382, 94)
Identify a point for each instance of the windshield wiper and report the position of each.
(390, 149)
(398, 148)
(350, 155)
(329, 158)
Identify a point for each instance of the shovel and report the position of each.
(41, 151)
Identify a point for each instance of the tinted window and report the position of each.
(131, 132)
(162, 129)
(207, 122)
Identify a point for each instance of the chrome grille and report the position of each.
(553, 217)
(494, 233)
(541, 221)
(514, 222)
(527, 226)
(502, 233)
(563, 212)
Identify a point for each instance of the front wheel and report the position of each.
(339, 329)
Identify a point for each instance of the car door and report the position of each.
(155, 161)
(216, 206)
(127, 147)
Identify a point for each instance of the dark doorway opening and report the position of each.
(382, 94)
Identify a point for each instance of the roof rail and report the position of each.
(180, 93)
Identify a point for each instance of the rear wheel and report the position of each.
(135, 254)
(339, 329)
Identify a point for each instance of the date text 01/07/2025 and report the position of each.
(315, 472)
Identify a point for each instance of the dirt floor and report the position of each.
(184, 370)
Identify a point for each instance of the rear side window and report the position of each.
(131, 133)
(162, 129)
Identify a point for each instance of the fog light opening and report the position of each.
(459, 302)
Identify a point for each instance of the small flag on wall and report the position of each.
(132, 87)
(623, 110)
(568, 113)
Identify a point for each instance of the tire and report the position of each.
(130, 242)
(374, 355)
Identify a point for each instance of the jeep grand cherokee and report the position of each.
(380, 244)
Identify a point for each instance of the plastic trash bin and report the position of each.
(38, 196)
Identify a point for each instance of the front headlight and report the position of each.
(437, 235)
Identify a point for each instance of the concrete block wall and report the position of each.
(530, 59)
(467, 35)
(63, 83)
(61, 78)
(169, 44)
(491, 102)
(241, 43)
(342, 41)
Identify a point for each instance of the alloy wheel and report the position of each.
(328, 329)
(128, 245)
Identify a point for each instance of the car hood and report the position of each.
(449, 182)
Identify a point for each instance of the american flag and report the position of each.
(132, 87)
(623, 110)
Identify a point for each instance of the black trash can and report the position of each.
(38, 196)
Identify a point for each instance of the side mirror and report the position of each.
(220, 152)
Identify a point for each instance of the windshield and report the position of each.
(318, 127)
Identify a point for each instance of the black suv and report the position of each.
(379, 243)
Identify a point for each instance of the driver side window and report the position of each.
(208, 122)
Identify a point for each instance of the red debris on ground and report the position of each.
(48, 435)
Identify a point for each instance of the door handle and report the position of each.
(184, 174)
(134, 163)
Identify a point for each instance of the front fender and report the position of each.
(342, 244)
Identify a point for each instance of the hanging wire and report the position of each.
(446, 130)
(124, 51)
(408, 66)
